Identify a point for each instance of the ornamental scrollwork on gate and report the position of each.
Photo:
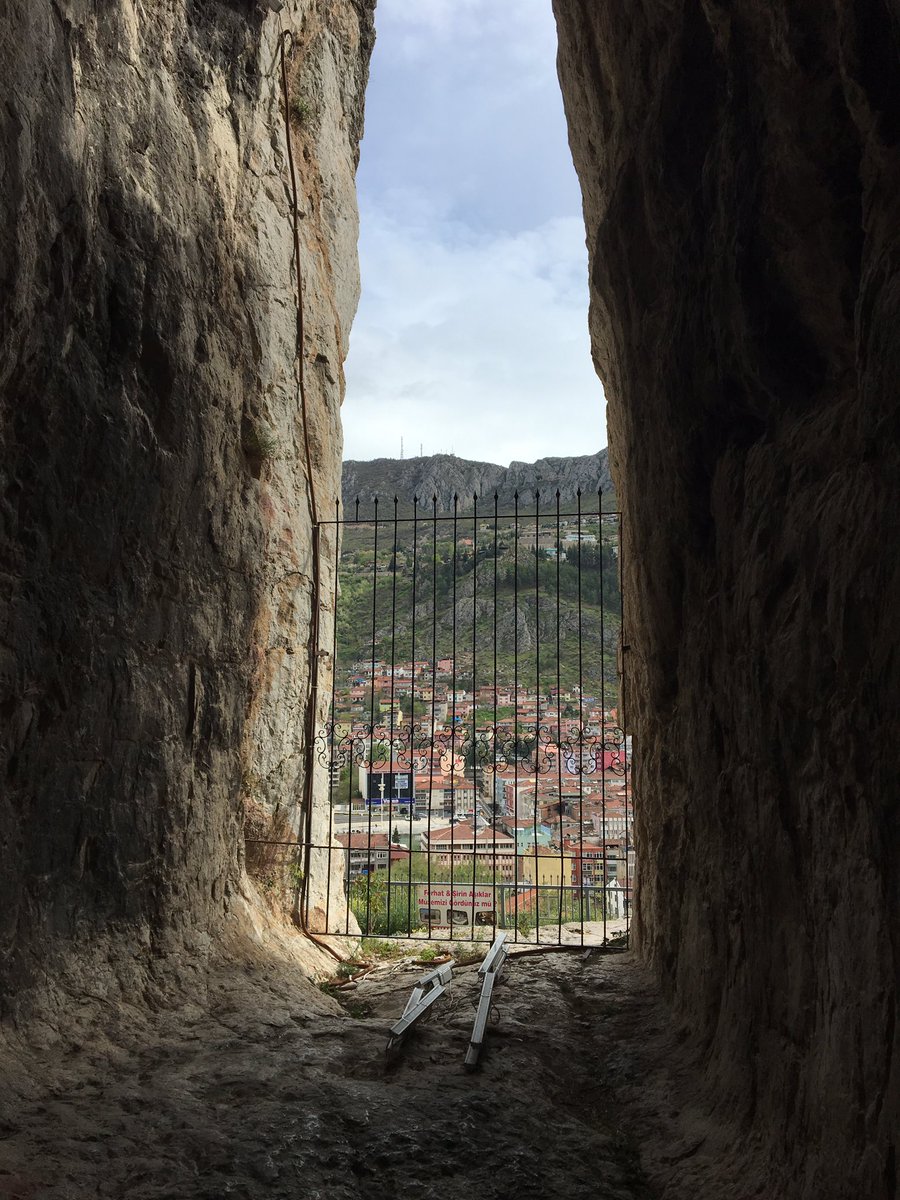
(573, 749)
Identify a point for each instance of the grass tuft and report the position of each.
(260, 441)
(301, 110)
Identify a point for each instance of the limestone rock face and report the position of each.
(444, 476)
(154, 509)
(740, 167)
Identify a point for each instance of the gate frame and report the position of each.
(321, 749)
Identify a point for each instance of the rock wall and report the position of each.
(740, 167)
(154, 509)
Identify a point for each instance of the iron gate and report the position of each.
(474, 766)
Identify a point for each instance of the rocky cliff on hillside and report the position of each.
(740, 168)
(155, 514)
(446, 476)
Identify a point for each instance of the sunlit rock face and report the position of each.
(154, 511)
(741, 178)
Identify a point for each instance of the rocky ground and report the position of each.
(276, 1088)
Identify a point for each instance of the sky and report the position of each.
(471, 336)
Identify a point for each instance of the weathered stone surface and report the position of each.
(740, 168)
(265, 1094)
(154, 513)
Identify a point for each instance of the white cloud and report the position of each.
(472, 331)
(473, 343)
(498, 49)
(464, 103)
(519, 22)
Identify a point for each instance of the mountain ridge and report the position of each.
(445, 476)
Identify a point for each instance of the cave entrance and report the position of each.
(473, 772)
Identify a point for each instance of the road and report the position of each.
(380, 822)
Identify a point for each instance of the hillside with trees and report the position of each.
(496, 603)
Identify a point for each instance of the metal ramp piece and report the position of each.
(429, 988)
(490, 971)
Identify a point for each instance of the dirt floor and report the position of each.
(277, 1089)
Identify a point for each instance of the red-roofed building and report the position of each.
(459, 843)
(444, 794)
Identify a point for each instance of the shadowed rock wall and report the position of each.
(154, 513)
(740, 166)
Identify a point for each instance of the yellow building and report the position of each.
(546, 868)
